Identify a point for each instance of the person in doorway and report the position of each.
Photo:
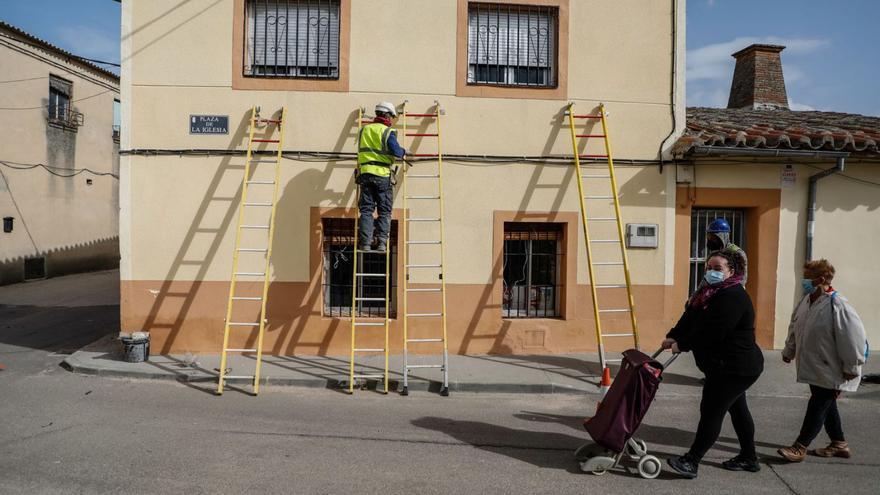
(377, 148)
(827, 338)
(719, 327)
(718, 239)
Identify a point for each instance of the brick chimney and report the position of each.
(757, 79)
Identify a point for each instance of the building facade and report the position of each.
(503, 73)
(59, 161)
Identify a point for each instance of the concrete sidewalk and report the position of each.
(537, 374)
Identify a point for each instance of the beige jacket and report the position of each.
(827, 339)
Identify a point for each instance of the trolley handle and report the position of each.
(668, 361)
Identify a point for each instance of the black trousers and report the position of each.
(821, 411)
(724, 394)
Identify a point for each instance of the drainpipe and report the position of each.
(811, 203)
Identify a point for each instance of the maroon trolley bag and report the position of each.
(627, 401)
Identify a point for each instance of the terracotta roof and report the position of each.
(780, 129)
(30, 39)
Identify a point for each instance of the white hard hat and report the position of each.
(387, 108)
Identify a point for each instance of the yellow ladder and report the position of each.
(267, 128)
(426, 210)
(618, 238)
(359, 290)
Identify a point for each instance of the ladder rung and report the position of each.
(269, 121)
(263, 227)
(369, 376)
(423, 266)
(424, 366)
(607, 263)
(253, 250)
(611, 286)
(618, 334)
(264, 161)
(370, 274)
(425, 155)
(422, 197)
(625, 310)
(258, 204)
(423, 340)
(598, 197)
(241, 350)
(265, 140)
(249, 377)
(234, 324)
(421, 115)
(250, 274)
(423, 242)
(423, 290)
(592, 156)
(590, 135)
(422, 176)
(261, 182)
(244, 298)
(369, 350)
(368, 324)
(606, 241)
(422, 219)
(369, 298)
(602, 219)
(418, 134)
(587, 116)
(593, 176)
(424, 315)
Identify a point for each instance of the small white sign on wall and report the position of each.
(788, 177)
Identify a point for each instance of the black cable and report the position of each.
(43, 47)
(72, 101)
(52, 170)
(850, 177)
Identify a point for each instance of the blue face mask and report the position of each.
(713, 277)
(807, 284)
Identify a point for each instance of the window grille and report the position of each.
(700, 220)
(338, 246)
(533, 255)
(512, 45)
(293, 38)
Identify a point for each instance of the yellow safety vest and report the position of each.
(373, 154)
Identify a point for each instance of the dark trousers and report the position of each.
(821, 411)
(377, 193)
(724, 394)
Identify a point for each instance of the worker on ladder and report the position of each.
(377, 148)
(718, 239)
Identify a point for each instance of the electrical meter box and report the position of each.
(642, 235)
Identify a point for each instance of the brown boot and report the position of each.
(834, 449)
(795, 453)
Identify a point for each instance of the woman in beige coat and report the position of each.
(827, 338)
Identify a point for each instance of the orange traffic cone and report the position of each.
(604, 385)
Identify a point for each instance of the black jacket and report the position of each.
(722, 336)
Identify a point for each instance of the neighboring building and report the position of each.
(510, 191)
(753, 163)
(59, 162)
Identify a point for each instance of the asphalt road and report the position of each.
(67, 433)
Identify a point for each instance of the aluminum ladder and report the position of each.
(359, 290)
(269, 131)
(423, 209)
(608, 182)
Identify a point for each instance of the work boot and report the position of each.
(741, 464)
(382, 245)
(834, 449)
(685, 465)
(364, 246)
(795, 453)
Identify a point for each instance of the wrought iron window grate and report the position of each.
(338, 259)
(512, 45)
(533, 254)
(293, 39)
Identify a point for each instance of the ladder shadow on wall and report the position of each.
(540, 179)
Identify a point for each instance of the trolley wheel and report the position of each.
(599, 472)
(649, 467)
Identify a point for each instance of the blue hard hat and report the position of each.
(718, 225)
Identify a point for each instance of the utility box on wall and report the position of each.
(642, 235)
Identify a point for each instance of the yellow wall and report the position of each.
(70, 222)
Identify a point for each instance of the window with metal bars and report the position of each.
(532, 259)
(338, 254)
(292, 39)
(512, 45)
(700, 220)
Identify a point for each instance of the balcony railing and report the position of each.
(65, 116)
